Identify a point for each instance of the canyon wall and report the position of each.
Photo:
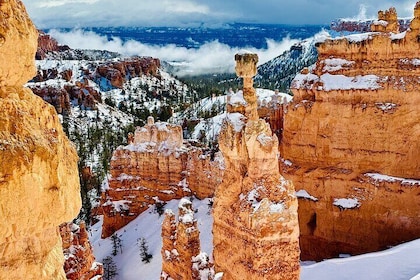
(39, 183)
(255, 230)
(351, 144)
(155, 167)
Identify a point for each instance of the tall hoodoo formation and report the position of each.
(351, 144)
(181, 254)
(156, 166)
(39, 184)
(256, 232)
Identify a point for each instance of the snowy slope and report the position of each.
(148, 225)
(398, 263)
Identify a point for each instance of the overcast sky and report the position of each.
(83, 13)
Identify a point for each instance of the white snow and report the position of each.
(392, 179)
(237, 120)
(237, 99)
(398, 36)
(306, 195)
(380, 22)
(386, 106)
(337, 82)
(413, 61)
(399, 263)
(335, 64)
(355, 38)
(304, 81)
(346, 203)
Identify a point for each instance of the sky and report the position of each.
(95, 13)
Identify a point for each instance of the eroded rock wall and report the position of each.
(351, 144)
(255, 230)
(79, 262)
(39, 182)
(155, 167)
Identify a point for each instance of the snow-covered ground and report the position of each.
(398, 263)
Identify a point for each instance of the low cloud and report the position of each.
(212, 57)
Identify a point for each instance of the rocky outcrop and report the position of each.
(118, 71)
(38, 164)
(255, 230)
(156, 166)
(361, 26)
(351, 144)
(79, 259)
(181, 254)
(387, 22)
(47, 44)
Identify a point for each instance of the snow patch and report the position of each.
(306, 195)
(385, 178)
(341, 82)
(237, 120)
(346, 203)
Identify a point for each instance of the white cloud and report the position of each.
(212, 57)
(184, 7)
(58, 3)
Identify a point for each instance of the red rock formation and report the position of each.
(47, 44)
(354, 117)
(156, 166)
(256, 232)
(181, 247)
(118, 71)
(79, 259)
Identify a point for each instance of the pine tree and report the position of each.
(116, 244)
(110, 268)
(144, 250)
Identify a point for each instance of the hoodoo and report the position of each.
(39, 182)
(351, 142)
(256, 231)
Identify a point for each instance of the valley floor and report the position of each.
(398, 263)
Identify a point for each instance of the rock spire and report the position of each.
(256, 232)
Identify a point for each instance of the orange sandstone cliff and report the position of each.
(181, 256)
(39, 183)
(256, 231)
(351, 143)
(155, 167)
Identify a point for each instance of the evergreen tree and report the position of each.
(110, 268)
(116, 244)
(144, 250)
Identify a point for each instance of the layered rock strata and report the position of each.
(155, 167)
(79, 262)
(256, 231)
(39, 183)
(181, 254)
(351, 144)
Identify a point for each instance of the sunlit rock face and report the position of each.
(256, 231)
(351, 143)
(39, 182)
(156, 166)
